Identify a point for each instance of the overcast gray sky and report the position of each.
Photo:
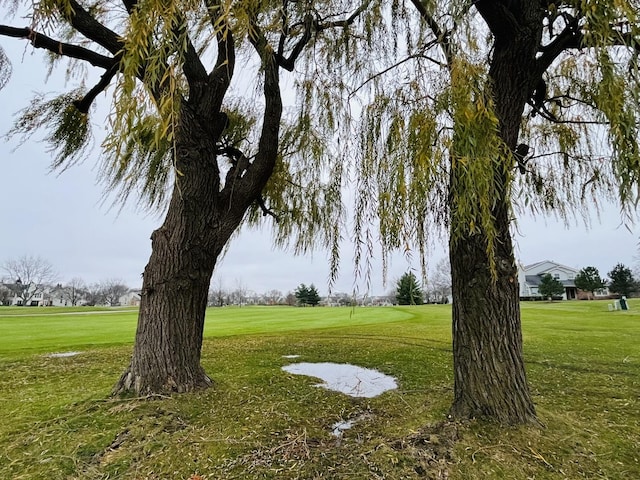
(62, 219)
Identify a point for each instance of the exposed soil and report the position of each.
(432, 449)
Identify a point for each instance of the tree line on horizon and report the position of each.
(28, 277)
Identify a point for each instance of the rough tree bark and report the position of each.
(166, 354)
(489, 374)
(200, 219)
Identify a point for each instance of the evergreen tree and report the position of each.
(550, 287)
(622, 281)
(588, 279)
(302, 294)
(313, 298)
(408, 290)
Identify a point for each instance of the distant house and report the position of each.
(11, 293)
(56, 297)
(131, 298)
(530, 276)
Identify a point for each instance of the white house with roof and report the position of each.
(530, 276)
(10, 292)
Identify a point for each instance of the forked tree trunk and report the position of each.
(166, 355)
(202, 216)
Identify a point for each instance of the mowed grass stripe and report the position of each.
(39, 331)
(53, 329)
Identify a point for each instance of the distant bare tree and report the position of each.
(74, 290)
(112, 290)
(291, 299)
(218, 295)
(273, 297)
(94, 294)
(239, 295)
(439, 282)
(31, 275)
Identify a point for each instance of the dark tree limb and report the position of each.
(266, 210)
(499, 18)
(220, 76)
(284, 29)
(84, 104)
(130, 5)
(92, 29)
(225, 60)
(192, 67)
(38, 40)
(288, 63)
(310, 25)
(256, 174)
(345, 22)
(442, 36)
(570, 38)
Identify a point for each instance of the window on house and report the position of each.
(556, 276)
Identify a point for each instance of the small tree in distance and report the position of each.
(302, 294)
(622, 281)
(94, 294)
(438, 288)
(74, 290)
(550, 287)
(112, 290)
(588, 279)
(307, 295)
(313, 298)
(409, 291)
(290, 299)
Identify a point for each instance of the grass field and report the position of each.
(260, 422)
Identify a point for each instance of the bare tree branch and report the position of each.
(88, 26)
(347, 21)
(289, 63)
(570, 37)
(84, 104)
(442, 36)
(38, 40)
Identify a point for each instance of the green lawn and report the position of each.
(260, 422)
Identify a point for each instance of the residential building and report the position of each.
(530, 276)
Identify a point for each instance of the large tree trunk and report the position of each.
(489, 373)
(202, 216)
(490, 380)
(166, 356)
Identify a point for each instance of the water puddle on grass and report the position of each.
(340, 427)
(63, 354)
(345, 378)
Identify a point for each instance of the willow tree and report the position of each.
(168, 68)
(472, 113)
